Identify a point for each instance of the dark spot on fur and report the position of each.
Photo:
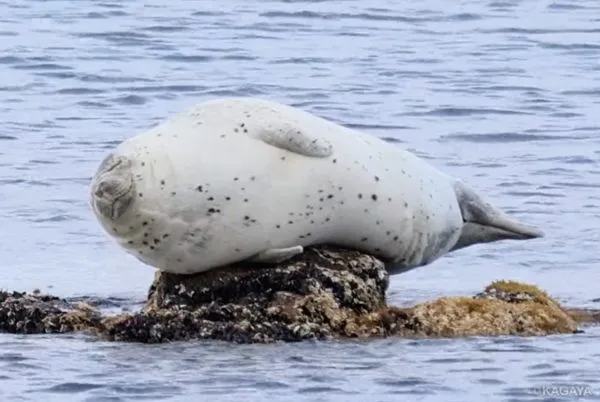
(278, 226)
(283, 158)
(245, 130)
(235, 130)
(211, 210)
(222, 135)
(237, 250)
(145, 243)
(162, 182)
(143, 163)
(165, 235)
(146, 234)
(291, 222)
(246, 218)
(359, 195)
(145, 223)
(374, 197)
(377, 249)
(173, 193)
(152, 247)
(321, 199)
(405, 204)
(252, 178)
(330, 196)
(364, 239)
(395, 238)
(140, 194)
(130, 242)
(156, 241)
(327, 219)
(227, 198)
(245, 200)
(376, 178)
(211, 198)
(199, 188)
(334, 161)
(235, 179)
(388, 233)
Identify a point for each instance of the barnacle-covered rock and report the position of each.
(324, 293)
(317, 295)
(37, 313)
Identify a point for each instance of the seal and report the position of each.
(249, 179)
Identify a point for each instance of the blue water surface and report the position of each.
(504, 94)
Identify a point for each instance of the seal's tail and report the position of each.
(484, 223)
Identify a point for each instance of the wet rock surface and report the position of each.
(25, 313)
(324, 293)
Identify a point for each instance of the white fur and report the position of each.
(221, 182)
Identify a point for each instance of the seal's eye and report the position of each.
(105, 162)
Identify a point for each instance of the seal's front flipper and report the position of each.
(276, 255)
(292, 137)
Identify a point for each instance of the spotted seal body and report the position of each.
(249, 179)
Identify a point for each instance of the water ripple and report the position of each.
(501, 93)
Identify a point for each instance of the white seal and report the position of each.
(244, 179)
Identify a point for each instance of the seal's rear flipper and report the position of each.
(483, 223)
(276, 255)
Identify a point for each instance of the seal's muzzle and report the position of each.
(113, 188)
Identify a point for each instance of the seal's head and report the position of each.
(112, 191)
(484, 223)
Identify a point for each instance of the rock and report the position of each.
(503, 308)
(324, 293)
(36, 313)
(317, 295)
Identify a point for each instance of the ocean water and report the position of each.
(504, 94)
